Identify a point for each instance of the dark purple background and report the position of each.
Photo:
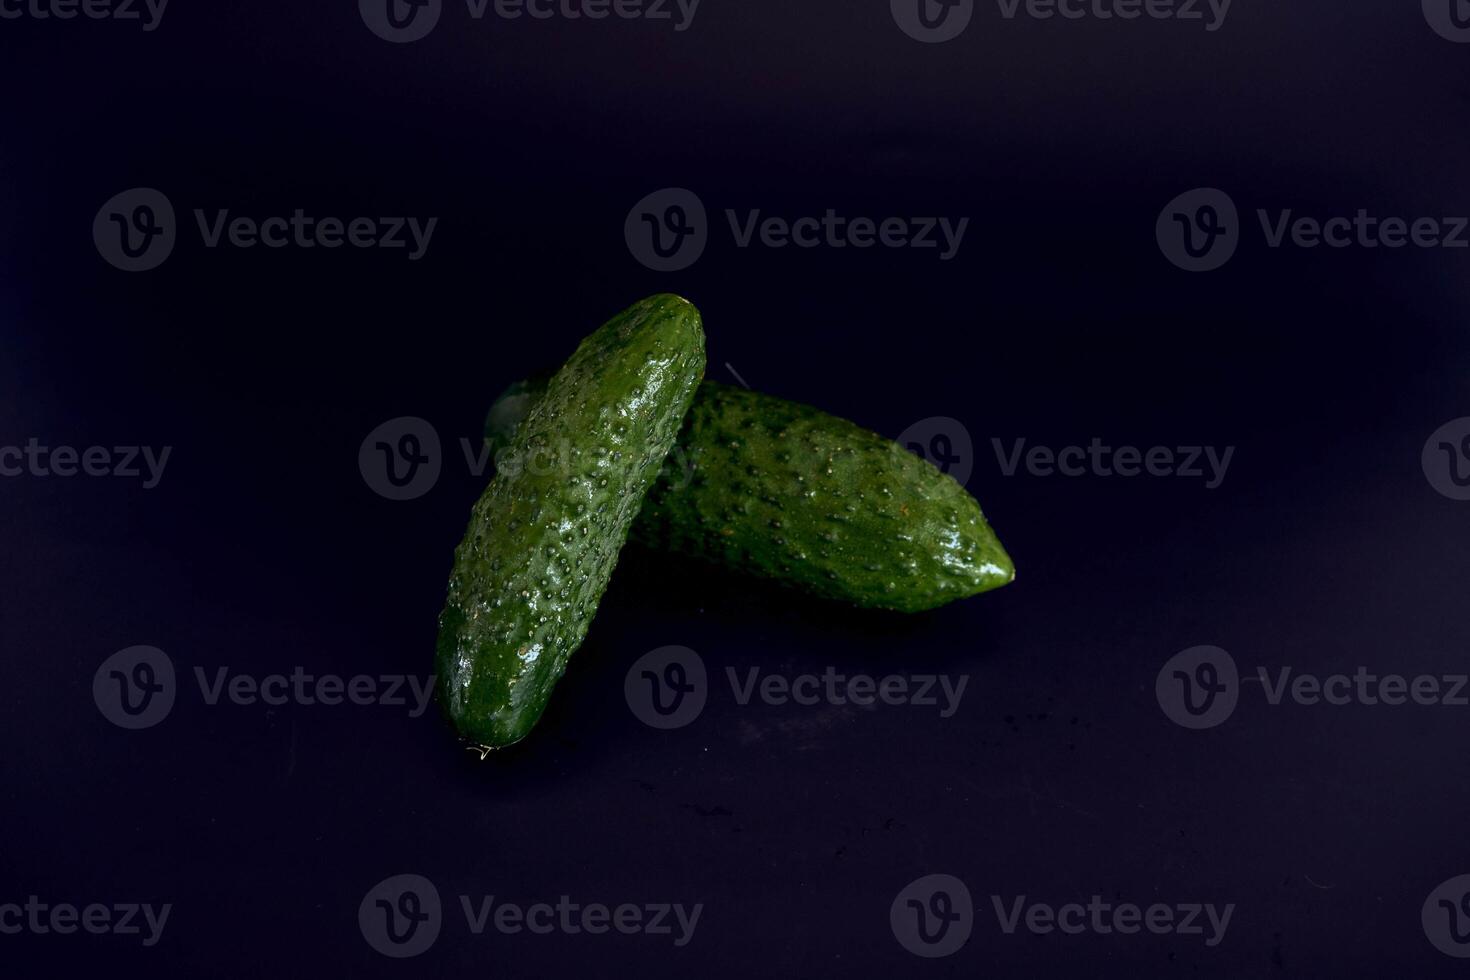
(263, 549)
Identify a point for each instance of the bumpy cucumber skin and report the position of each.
(544, 537)
(787, 492)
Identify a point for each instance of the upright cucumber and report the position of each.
(543, 539)
(787, 492)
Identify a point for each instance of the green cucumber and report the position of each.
(544, 537)
(783, 491)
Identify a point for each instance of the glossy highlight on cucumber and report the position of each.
(784, 491)
(543, 538)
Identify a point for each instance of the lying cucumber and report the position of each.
(544, 537)
(786, 492)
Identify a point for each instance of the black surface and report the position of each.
(263, 549)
